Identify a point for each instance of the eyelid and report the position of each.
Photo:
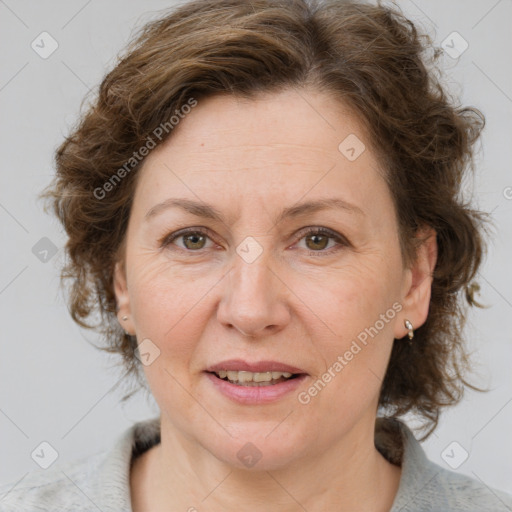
(170, 237)
(321, 230)
(299, 235)
(341, 240)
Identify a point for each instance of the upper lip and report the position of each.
(255, 367)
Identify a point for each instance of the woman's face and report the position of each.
(256, 284)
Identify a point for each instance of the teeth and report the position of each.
(243, 376)
(232, 375)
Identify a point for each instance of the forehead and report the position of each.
(310, 120)
(274, 148)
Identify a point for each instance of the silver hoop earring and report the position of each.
(408, 326)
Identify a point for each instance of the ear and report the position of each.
(123, 299)
(418, 283)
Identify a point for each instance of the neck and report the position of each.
(350, 475)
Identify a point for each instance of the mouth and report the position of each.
(255, 382)
(254, 379)
(253, 388)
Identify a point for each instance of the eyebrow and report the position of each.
(207, 211)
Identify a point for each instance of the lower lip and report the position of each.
(255, 394)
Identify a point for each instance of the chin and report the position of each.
(258, 450)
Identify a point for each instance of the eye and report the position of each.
(318, 240)
(192, 239)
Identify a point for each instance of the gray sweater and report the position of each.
(101, 482)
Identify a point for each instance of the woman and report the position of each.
(262, 204)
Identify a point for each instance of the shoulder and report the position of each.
(447, 491)
(44, 489)
(98, 482)
(461, 493)
(428, 487)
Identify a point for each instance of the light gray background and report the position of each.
(55, 386)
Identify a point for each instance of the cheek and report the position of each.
(355, 359)
(356, 310)
(164, 296)
(169, 308)
(352, 297)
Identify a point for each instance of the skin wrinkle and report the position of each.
(296, 305)
(301, 309)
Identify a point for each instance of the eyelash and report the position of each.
(342, 242)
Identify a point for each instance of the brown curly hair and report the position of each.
(370, 57)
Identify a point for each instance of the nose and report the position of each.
(254, 299)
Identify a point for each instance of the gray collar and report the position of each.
(419, 488)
